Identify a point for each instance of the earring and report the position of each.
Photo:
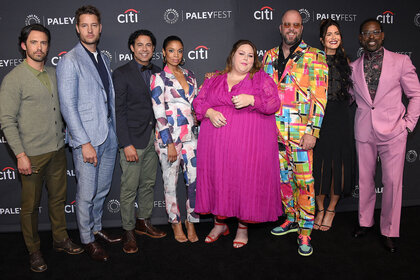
(182, 61)
(164, 59)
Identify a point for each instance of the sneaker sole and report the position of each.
(305, 254)
(285, 232)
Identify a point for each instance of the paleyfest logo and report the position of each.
(31, 19)
(113, 206)
(417, 20)
(8, 173)
(129, 16)
(107, 54)
(171, 16)
(200, 52)
(306, 16)
(386, 17)
(265, 13)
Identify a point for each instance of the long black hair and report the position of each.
(341, 60)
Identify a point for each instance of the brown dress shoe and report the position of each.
(104, 236)
(96, 252)
(192, 235)
(129, 242)
(37, 262)
(145, 227)
(67, 246)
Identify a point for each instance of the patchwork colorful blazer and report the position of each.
(172, 106)
(302, 89)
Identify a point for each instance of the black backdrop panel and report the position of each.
(208, 29)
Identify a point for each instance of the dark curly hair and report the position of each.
(341, 60)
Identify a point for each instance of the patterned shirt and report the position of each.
(372, 66)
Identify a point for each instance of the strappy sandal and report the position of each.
(326, 226)
(210, 239)
(240, 244)
(315, 224)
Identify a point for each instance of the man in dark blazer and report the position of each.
(135, 131)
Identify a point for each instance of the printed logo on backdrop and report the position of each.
(411, 156)
(113, 206)
(2, 139)
(200, 52)
(265, 13)
(8, 173)
(355, 191)
(318, 16)
(14, 211)
(129, 56)
(417, 20)
(70, 208)
(107, 54)
(60, 20)
(171, 16)
(10, 62)
(56, 59)
(32, 19)
(129, 16)
(360, 52)
(386, 17)
(261, 53)
(70, 173)
(306, 16)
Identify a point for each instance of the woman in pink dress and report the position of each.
(237, 154)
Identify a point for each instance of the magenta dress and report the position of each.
(238, 172)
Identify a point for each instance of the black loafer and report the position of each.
(389, 243)
(360, 231)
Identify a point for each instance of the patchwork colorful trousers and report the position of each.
(187, 152)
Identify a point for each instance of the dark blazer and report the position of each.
(133, 106)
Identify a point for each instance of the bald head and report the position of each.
(291, 15)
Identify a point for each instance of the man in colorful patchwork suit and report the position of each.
(301, 75)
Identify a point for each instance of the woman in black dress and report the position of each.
(334, 151)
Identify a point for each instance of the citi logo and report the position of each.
(70, 208)
(265, 13)
(8, 173)
(200, 52)
(129, 16)
(386, 17)
(56, 59)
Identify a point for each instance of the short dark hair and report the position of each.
(256, 66)
(24, 34)
(88, 9)
(170, 39)
(370, 20)
(138, 33)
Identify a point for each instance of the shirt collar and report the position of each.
(33, 70)
(378, 54)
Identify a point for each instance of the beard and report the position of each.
(293, 41)
(37, 57)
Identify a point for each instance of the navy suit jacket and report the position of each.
(133, 106)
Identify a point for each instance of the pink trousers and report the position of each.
(392, 155)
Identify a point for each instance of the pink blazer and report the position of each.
(386, 115)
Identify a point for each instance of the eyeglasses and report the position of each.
(375, 33)
(295, 25)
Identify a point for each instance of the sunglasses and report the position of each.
(295, 25)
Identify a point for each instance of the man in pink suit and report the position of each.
(381, 127)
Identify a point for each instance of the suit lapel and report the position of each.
(360, 77)
(383, 77)
(88, 63)
(297, 54)
(137, 78)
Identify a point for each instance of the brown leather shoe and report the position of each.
(96, 252)
(145, 227)
(67, 246)
(104, 236)
(129, 242)
(37, 262)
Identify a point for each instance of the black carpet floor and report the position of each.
(336, 256)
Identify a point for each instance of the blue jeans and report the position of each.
(93, 184)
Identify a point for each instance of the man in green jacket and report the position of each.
(31, 121)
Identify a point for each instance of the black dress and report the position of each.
(334, 152)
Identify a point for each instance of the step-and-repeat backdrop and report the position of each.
(208, 29)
